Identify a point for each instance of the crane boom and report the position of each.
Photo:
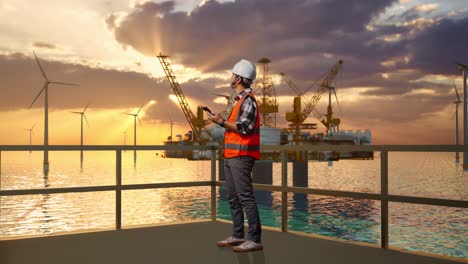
(163, 59)
(298, 92)
(325, 84)
(291, 84)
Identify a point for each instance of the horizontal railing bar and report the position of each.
(403, 148)
(58, 190)
(376, 196)
(360, 195)
(266, 187)
(102, 147)
(324, 147)
(428, 201)
(103, 188)
(263, 187)
(165, 185)
(335, 193)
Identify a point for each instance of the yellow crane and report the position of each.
(197, 123)
(298, 116)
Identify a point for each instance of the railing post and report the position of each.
(213, 184)
(0, 169)
(118, 191)
(384, 198)
(284, 193)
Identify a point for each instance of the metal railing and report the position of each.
(384, 197)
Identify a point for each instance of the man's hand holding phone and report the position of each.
(214, 117)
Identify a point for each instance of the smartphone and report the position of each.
(205, 108)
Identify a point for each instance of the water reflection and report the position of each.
(427, 175)
(337, 217)
(45, 209)
(134, 158)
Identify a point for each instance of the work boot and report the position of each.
(248, 246)
(230, 241)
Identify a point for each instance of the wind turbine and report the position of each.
(457, 104)
(228, 101)
(135, 117)
(81, 142)
(45, 89)
(464, 69)
(30, 133)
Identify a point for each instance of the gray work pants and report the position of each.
(238, 173)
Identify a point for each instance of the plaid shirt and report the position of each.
(247, 116)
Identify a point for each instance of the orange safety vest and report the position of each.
(236, 144)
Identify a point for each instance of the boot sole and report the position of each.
(236, 249)
(229, 244)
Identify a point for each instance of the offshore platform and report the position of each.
(297, 132)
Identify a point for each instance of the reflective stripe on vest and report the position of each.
(242, 145)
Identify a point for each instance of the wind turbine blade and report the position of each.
(139, 109)
(75, 112)
(86, 119)
(336, 97)
(456, 91)
(222, 95)
(62, 83)
(128, 114)
(453, 115)
(40, 92)
(139, 121)
(40, 67)
(86, 108)
(461, 65)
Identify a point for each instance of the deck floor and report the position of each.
(193, 243)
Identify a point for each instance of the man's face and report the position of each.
(233, 78)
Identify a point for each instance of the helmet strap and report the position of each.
(235, 82)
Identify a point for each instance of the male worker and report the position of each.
(241, 149)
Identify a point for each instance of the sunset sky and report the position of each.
(397, 78)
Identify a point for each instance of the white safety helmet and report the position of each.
(246, 69)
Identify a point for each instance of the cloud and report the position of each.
(394, 104)
(298, 38)
(213, 36)
(103, 88)
(44, 45)
(415, 12)
(302, 38)
(436, 49)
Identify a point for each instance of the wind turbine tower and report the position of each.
(30, 135)
(125, 138)
(45, 89)
(457, 104)
(464, 69)
(135, 117)
(172, 124)
(83, 115)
